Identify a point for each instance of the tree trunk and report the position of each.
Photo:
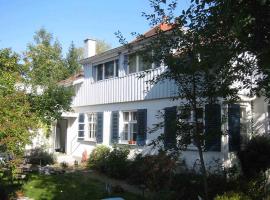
(198, 140)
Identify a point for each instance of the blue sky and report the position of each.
(71, 20)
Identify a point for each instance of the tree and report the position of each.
(17, 121)
(45, 67)
(44, 60)
(102, 46)
(72, 60)
(246, 24)
(195, 53)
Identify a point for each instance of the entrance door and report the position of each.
(61, 135)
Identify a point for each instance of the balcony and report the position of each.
(123, 89)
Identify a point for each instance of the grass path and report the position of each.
(81, 185)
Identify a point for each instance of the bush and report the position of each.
(39, 156)
(154, 171)
(98, 158)
(232, 196)
(117, 163)
(256, 156)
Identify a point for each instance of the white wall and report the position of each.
(153, 107)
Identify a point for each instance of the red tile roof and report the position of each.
(153, 31)
(71, 79)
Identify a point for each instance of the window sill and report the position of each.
(90, 140)
(86, 140)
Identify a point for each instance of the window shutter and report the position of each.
(212, 127)
(125, 64)
(234, 126)
(142, 126)
(115, 127)
(99, 135)
(170, 127)
(94, 72)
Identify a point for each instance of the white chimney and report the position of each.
(89, 48)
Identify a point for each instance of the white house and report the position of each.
(113, 105)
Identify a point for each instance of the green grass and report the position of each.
(73, 186)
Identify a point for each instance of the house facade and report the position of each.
(114, 104)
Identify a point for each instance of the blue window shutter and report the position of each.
(94, 72)
(234, 126)
(99, 135)
(115, 127)
(170, 127)
(142, 126)
(212, 127)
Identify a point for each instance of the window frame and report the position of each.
(115, 69)
(81, 130)
(92, 126)
(137, 59)
(130, 122)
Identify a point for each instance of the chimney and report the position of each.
(89, 48)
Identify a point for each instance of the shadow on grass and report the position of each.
(70, 186)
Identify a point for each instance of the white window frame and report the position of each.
(138, 57)
(191, 120)
(103, 70)
(129, 123)
(92, 126)
(81, 123)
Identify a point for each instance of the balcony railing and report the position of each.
(123, 89)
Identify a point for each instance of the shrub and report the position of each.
(154, 171)
(39, 156)
(232, 196)
(64, 165)
(98, 158)
(256, 156)
(117, 163)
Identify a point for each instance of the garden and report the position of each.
(110, 173)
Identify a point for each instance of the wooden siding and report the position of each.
(122, 89)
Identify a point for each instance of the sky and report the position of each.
(71, 20)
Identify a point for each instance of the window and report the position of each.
(137, 63)
(132, 63)
(130, 129)
(143, 64)
(92, 125)
(99, 72)
(106, 70)
(109, 69)
(81, 125)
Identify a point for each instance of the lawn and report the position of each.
(72, 186)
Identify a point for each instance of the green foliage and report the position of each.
(78, 185)
(113, 163)
(255, 158)
(72, 60)
(44, 68)
(16, 117)
(98, 158)
(51, 103)
(102, 46)
(44, 60)
(154, 171)
(117, 163)
(39, 156)
(232, 196)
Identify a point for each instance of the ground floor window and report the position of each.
(92, 125)
(81, 126)
(129, 133)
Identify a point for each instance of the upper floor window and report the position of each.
(137, 63)
(106, 70)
